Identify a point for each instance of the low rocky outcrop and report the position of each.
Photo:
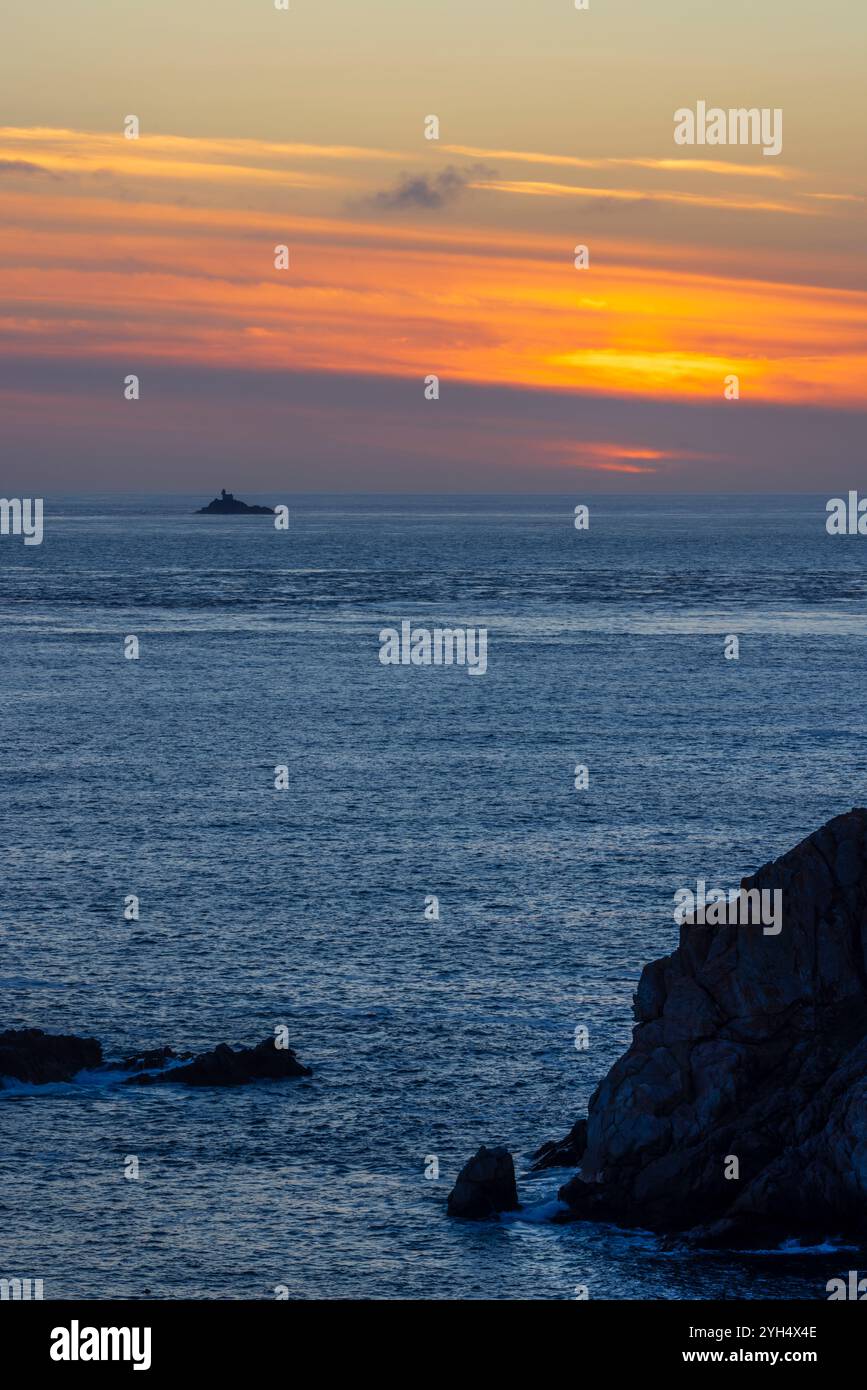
(33, 1056)
(485, 1186)
(739, 1112)
(227, 1066)
(29, 1055)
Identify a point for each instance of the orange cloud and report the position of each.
(618, 468)
(541, 189)
(597, 456)
(724, 168)
(88, 272)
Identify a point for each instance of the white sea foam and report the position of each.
(537, 1215)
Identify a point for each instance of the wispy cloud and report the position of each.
(543, 189)
(606, 456)
(430, 191)
(722, 167)
(188, 147)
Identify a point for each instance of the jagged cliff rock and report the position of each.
(748, 1046)
(562, 1153)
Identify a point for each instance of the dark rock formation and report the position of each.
(226, 1066)
(748, 1047)
(37, 1057)
(28, 1054)
(562, 1153)
(228, 505)
(154, 1060)
(485, 1186)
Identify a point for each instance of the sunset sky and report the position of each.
(411, 256)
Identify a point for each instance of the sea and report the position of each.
(309, 907)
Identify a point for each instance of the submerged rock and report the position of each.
(485, 1186)
(156, 1058)
(227, 1066)
(739, 1112)
(28, 1054)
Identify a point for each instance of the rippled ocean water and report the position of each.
(306, 907)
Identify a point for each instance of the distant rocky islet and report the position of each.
(229, 505)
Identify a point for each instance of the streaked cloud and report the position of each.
(157, 256)
(544, 189)
(723, 168)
